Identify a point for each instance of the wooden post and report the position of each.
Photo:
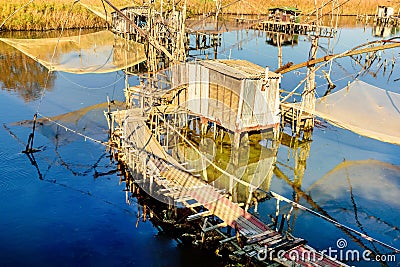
(276, 214)
(278, 41)
(151, 184)
(248, 202)
(236, 140)
(204, 167)
(144, 169)
(167, 136)
(215, 130)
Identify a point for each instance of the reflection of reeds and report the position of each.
(47, 15)
(44, 15)
(23, 75)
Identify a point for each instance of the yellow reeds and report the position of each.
(45, 15)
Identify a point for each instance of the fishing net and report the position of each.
(88, 123)
(352, 192)
(102, 10)
(99, 52)
(364, 109)
(99, 11)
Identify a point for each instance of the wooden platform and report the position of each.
(298, 119)
(141, 151)
(295, 28)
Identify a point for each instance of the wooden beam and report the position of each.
(199, 215)
(346, 54)
(149, 38)
(213, 227)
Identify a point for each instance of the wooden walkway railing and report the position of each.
(295, 28)
(142, 152)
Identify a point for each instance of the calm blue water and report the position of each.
(70, 209)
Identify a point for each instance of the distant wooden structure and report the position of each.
(137, 14)
(384, 11)
(385, 16)
(296, 28)
(163, 32)
(205, 44)
(284, 14)
(287, 20)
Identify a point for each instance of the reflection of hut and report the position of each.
(135, 14)
(282, 39)
(383, 30)
(284, 14)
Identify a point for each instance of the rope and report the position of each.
(336, 223)
(74, 131)
(15, 12)
(332, 58)
(52, 58)
(91, 88)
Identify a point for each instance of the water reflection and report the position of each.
(384, 30)
(361, 194)
(253, 162)
(23, 75)
(282, 39)
(352, 188)
(98, 52)
(346, 194)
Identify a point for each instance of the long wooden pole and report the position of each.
(346, 54)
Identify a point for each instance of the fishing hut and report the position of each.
(161, 30)
(287, 20)
(284, 14)
(236, 95)
(207, 97)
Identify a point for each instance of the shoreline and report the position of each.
(54, 15)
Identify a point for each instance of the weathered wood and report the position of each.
(198, 215)
(148, 37)
(296, 28)
(166, 171)
(345, 54)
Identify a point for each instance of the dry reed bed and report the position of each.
(45, 15)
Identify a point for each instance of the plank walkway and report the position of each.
(139, 145)
(295, 28)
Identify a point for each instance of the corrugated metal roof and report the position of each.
(238, 69)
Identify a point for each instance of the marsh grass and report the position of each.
(353, 7)
(46, 15)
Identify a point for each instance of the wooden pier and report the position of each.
(296, 118)
(169, 181)
(295, 28)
